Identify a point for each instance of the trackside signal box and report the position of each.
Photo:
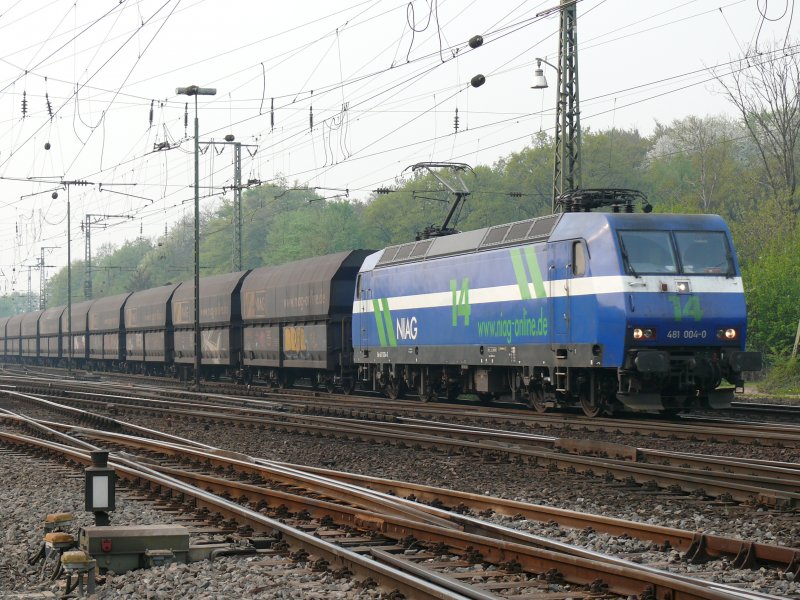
(125, 548)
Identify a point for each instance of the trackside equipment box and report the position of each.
(125, 548)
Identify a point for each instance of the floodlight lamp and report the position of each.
(539, 80)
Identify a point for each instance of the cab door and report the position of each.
(559, 275)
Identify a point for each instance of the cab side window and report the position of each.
(578, 259)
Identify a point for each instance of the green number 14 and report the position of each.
(690, 309)
(461, 307)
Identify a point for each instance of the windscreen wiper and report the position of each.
(626, 259)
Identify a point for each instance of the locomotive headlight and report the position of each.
(729, 334)
(644, 333)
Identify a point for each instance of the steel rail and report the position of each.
(680, 539)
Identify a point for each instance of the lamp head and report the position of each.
(539, 80)
(194, 90)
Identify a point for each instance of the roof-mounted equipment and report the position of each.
(454, 184)
(618, 199)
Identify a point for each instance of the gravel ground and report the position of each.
(519, 482)
(226, 578)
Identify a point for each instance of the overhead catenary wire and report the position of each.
(316, 109)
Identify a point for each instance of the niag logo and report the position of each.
(407, 328)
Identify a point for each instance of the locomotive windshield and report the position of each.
(704, 252)
(647, 252)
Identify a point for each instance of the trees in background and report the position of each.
(765, 89)
(697, 164)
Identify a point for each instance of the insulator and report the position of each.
(151, 112)
(24, 104)
(272, 114)
(311, 117)
(477, 81)
(455, 121)
(186, 117)
(49, 105)
(476, 41)
(382, 190)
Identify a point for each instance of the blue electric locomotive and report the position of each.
(598, 309)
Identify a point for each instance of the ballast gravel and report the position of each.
(522, 482)
(33, 488)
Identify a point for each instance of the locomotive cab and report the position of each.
(685, 314)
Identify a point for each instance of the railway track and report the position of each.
(741, 480)
(320, 397)
(715, 429)
(314, 501)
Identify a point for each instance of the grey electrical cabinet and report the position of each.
(125, 548)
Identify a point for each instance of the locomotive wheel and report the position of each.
(394, 390)
(329, 386)
(427, 393)
(589, 409)
(536, 400)
(286, 381)
(348, 386)
(486, 398)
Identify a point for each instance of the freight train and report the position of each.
(594, 306)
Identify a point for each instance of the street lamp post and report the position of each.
(567, 159)
(196, 91)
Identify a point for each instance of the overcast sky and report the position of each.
(382, 96)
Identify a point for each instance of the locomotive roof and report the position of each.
(540, 229)
(582, 225)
